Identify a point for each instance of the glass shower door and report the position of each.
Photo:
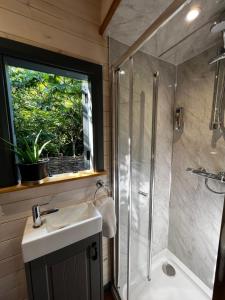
(122, 176)
(142, 174)
(134, 206)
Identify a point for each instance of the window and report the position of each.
(57, 102)
(59, 95)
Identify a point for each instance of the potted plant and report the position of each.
(32, 167)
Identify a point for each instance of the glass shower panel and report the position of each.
(123, 93)
(134, 107)
(153, 79)
(140, 162)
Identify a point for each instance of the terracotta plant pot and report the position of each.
(33, 173)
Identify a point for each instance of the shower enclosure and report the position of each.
(141, 234)
(168, 223)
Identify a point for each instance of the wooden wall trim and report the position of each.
(109, 16)
(53, 180)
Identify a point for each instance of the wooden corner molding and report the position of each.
(109, 16)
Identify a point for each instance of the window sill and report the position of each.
(54, 180)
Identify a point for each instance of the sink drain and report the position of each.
(168, 269)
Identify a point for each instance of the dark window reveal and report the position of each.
(56, 94)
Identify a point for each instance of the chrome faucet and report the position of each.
(36, 213)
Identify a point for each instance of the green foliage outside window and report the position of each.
(50, 103)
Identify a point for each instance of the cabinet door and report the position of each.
(72, 273)
(70, 277)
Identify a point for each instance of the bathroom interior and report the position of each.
(143, 218)
(167, 97)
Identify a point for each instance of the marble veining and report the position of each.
(195, 213)
(172, 43)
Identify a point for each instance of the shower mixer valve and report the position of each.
(219, 177)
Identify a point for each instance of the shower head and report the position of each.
(218, 27)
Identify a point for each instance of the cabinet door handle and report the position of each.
(94, 251)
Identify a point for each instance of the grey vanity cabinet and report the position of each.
(71, 273)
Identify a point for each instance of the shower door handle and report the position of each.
(143, 193)
(152, 170)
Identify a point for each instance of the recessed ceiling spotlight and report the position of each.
(192, 14)
(213, 152)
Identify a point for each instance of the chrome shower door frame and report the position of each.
(152, 170)
(116, 179)
(115, 173)
(129, 212)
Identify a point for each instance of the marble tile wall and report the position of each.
(195, 213)
(132, 19)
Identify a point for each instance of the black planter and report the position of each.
(33, 172)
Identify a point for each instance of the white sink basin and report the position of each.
(67, 216)
(65, 227)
